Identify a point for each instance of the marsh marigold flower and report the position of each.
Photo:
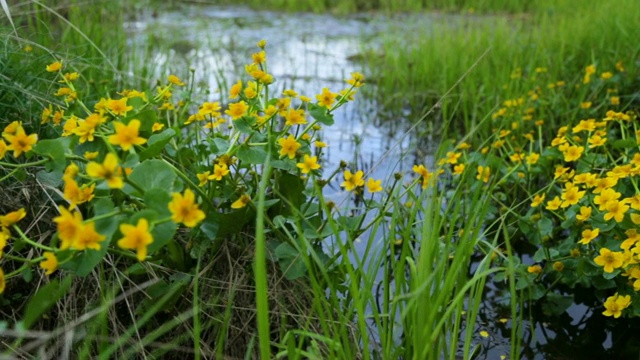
(219, 171)
(308, 164)
(294, 117)
(237, 110)
(484, 173)
(610, 260)
(20, 142)
(50, 263)
(136, 238)
(185, 210)
(615, 304)
(352, 181)
(55, 66)
(12, 218)
(69, 227)
(109, 170)
(3, 148)
(588, 235)
(175, 80)
(326, 98)
(119, 107)
(374, 185)
(289, 146)
(88, 238)
(2, 281)
(241, 202)
(127, 135)
(534, 269)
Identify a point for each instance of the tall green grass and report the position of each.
(563, 36)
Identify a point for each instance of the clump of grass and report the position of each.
(553, 35)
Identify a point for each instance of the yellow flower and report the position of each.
(259, 57)
(357, 79)
(55, 66)
(558, 266)
(76, 194)
(585, 105)
(87, 127)
(610, 260)
(424, 173)
(483, 173)
(458, 169)
(3, 148)
(2, 281)
(108, 170)
(537, 200)
(90, 155)
(571, 196)
(69, 227)
(534, 269)
(585, 213)
(554, 204)
(327, 98)
(88, 238)
(50, 264)
(532, 158)
(452, 157)
(616, 210)
(241, 202)
(319, 144)
(573, 153)
(219, 171)
(20, 142)
(118, 107)
(294, 117)
(175, 80)
(5, 235)
(615, 304)
(289, 146)
(290, 93)
(588, 235)
(352, 181)
(185, 210)
(127, 135)
(374, 185)
(615, 100)
(12, 217)
(235, 90)
(596, 141)
(136, 238)
(203, 177)
(308, 164)
(237, 110)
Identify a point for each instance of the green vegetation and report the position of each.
(205, 227)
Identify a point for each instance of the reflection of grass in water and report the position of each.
(561, 36)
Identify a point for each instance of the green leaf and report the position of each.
(52, 179)
(290, 188)
(320, 113)
(220, 146)
(147, 119)
(625, 143)
(44, 299)
(287, 165)
(158, 199)
(290, 261)
(245, 124)
(541, 255)
(556, 304)
(156, 144)
(252, 154)
(53, 149)
(152, 174)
